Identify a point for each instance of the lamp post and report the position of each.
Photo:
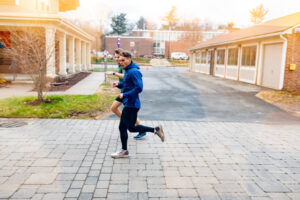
(169, 49)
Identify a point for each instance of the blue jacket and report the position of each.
(132, 85)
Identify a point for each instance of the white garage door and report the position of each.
(272, 65)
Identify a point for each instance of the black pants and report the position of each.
(127, 122)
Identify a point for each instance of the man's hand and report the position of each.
(109, 73)
(115, 84)
(121, 95)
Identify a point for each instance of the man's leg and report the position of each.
(140, 128)
(139, 135)
(115, 108)
(125, 121)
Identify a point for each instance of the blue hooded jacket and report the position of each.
(132, 85)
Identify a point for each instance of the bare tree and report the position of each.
(30, 55)
(150, 25)
(258, 14)
(141, 23)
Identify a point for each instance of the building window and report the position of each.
(221, 57)
(233, 56)
(249, 56)
(198, 58)
(203, 57)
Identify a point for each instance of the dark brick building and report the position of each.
(138, 46)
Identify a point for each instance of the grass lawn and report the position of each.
(102, 70)
(179, 63)
(63, 106)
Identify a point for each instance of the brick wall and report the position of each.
(180, 46)
(292, 78)
(142, 46)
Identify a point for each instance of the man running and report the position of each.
(118, 102)
(132, 85)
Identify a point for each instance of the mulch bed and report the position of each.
(69, 82)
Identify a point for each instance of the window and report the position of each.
(203, 57)
(198, 58)
(249, 56)
(233, 56)
(156, 44)
(221, 57)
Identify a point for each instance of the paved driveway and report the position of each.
(175, 94)
(209, 153)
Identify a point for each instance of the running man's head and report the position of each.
(125, 59)
(118, 52)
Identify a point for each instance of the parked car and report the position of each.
(179, 56)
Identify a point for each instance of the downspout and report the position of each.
(284, 51)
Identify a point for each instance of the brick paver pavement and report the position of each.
(70, 159)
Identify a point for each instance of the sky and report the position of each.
(215, 11)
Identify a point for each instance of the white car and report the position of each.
(179, 56)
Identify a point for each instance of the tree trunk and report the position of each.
(40, 86)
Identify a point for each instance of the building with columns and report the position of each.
(72, 45)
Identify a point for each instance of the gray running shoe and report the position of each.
(160, 132)
(120, 154)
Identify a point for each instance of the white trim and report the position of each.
(260, 64)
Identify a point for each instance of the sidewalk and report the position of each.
(70, 159)
(88, 85)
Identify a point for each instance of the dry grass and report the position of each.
(285, 100)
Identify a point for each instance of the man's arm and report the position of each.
(119, 75)
(120, 85)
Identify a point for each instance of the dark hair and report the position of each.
(119, 51)
(126, 54)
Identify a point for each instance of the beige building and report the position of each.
(73, 46)
(265, 54)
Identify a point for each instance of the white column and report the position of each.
(88, 56)
(83, 56)
(71, 55)
(50, 52)
(78, 55)
(62, 54)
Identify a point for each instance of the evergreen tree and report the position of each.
(119, 24)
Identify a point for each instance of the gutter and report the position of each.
(283, 60)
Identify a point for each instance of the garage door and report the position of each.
(272, 65)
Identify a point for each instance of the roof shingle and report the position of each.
(273, 26)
